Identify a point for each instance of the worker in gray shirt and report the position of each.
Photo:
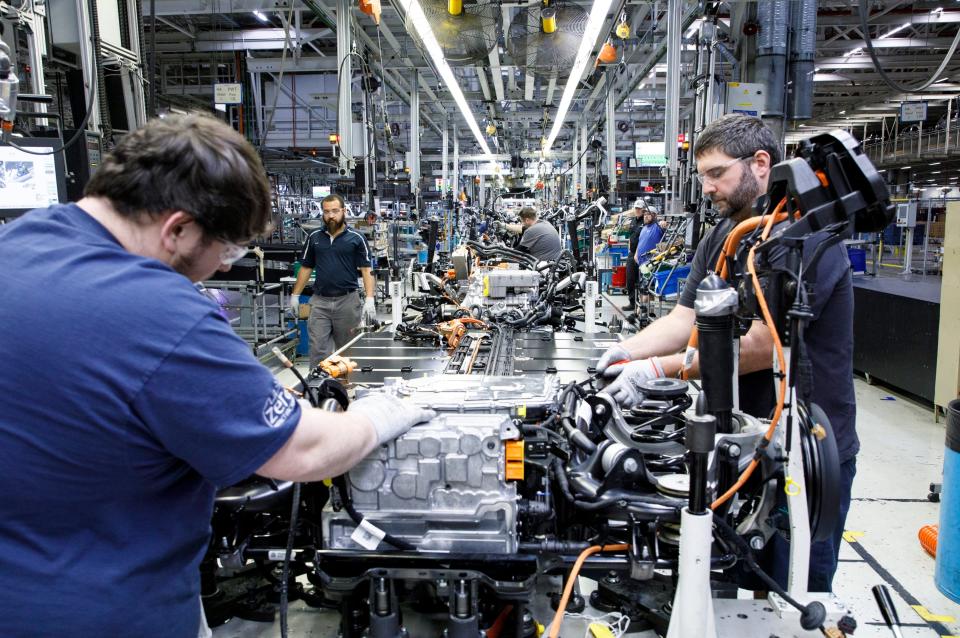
(539, 238)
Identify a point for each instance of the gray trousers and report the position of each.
(333, 322)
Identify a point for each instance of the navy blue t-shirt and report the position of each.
(829, 340)
(124, 402)
(336, 261)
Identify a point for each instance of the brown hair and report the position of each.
(333, 197)
(528, 213)
(737, 135)
(192, 163)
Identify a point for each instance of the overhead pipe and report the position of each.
(803, 48)
(771, 64)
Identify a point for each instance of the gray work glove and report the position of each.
(295, 306)
(626, 389)
(607, 366)
(389, 415)
(369, 310)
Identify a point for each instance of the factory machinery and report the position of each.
(531, 469)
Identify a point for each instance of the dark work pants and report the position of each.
(823, 554)
(633, 274)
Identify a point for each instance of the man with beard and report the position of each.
(109, 482)
(336, 252)
(734, 155)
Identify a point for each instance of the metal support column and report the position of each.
(612, 137)
(345, 98)
(672, 115)
(456, 163)
(946, 147)
(574, 164)
(415, 137)
(583, 160)
(443, 170)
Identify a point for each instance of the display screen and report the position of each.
(650, 154)
(27, 181)
(320, 191)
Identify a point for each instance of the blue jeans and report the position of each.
(823, 554)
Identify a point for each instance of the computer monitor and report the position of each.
(320, 191)
(650, 154)
(29, 181)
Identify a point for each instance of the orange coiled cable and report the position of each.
(928, 539)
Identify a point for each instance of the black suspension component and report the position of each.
(715, 305)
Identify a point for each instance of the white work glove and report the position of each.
(626, 389)
(369, 310)
(389, 415)
(607, 366)
(295, 306)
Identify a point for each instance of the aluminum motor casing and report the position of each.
(440, 487)
(496, 290)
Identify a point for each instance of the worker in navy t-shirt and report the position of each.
(734, 156)
(127, 400)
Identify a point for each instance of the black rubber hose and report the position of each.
(341, 484)
(811, 616)
(560, 474)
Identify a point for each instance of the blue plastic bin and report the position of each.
(621, 251)
(673, 285)
(858, 259)
(606, 279)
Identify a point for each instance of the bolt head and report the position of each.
(630, 466)
(756, 542)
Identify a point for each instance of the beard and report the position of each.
(334, 225)
(743, 196)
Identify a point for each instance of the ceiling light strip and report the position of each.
(415, 14)
(598, 15)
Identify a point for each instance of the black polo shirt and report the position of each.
(335, 260)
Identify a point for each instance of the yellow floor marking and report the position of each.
(851, 536)
(929, 617)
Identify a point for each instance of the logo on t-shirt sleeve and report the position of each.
(278, 408)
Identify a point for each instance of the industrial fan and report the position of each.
(544, 38)
(466, 31)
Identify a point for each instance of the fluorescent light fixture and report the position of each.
(598, 15)
(905, 168)
(414, 12)
(259, 16)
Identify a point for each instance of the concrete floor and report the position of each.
(901, 454)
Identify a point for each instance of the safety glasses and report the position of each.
(715, 174)
(231, 252)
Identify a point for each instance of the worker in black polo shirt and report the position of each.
(336, 252)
